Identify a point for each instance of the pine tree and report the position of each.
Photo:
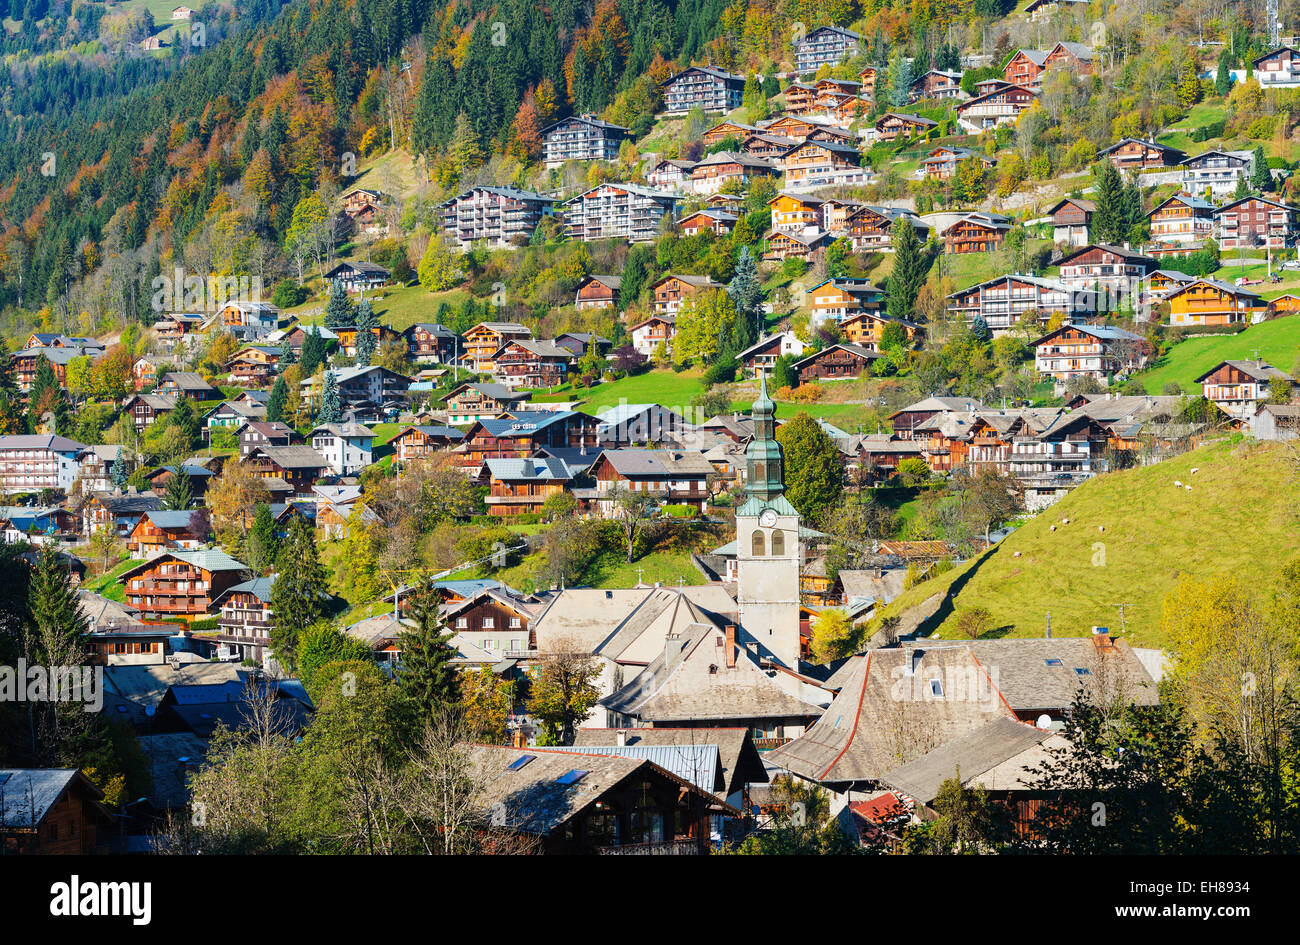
(1109, 218)
(1136, 226)
(275, 402)
(910, 267)
(339, 312)
(1223, 78)
(1188, 90)
(313, 350)
(980, 328)
(117, 472)
(186, 420)
(179, 494)
(366, 325)
(1261, 179)
(747, 296)
(426, 673)
(287, 354)
(298, 596)
(263, 540)
(57, 618)
(330, 409)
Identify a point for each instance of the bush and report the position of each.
(973, 622)
(288, 294)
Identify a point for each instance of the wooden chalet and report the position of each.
(1071, 220)
(521, 433)
(795, 213)
(671, 291)
(477, 401)
(656, 330)
(1135, 153)
(245, 619)
(942, 162)
(726, 129)
(596, 291)
(1210, 302)
(867, 328)
(416, 442)
(783, 246)
(872, 229)
(522, 486)
(836, 300)
(52, 811)
(1001, 105)
(299, 466)
(681, 476)
(188, 385)
(254, 434)
(359, 276)
(839, 361)
(487, 338)
(161, 531)
(892, 125)
(719, 222)
(1180, 224)
(1256, 222)
(144, 409)
(976, 233)
(559, 801)
(430, 342)
(180, 583)
(174, 326)
(1237, 387)
(532, 364)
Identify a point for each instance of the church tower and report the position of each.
(767, 544)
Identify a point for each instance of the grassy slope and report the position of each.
(1277, 341)
(1238, 519)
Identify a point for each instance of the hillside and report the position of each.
(1238, 518)
(1276, 341)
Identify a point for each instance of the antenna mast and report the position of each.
(1274, 26)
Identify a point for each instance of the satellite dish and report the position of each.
(1044, 721)
(149, 711)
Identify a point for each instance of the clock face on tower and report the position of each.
(768, 518)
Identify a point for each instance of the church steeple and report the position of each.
(763, 460)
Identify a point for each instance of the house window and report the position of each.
(489, 644)
(756, 546)
(778, 543)
(936, 687)
(489, 623)
(515, 623)
(461, 623)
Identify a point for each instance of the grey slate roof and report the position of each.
(698, 764)
(532, 800)
(29, 793)
(970, 756)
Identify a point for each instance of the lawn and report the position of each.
(667, 388)
(611, 569)
(1276, 341)
(107, 584)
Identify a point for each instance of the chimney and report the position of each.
(731, 646)
(1101, 637)
(672, 650)
(622, 738)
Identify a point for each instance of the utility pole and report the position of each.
(1123, 621)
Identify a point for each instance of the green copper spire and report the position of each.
(763, 459)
